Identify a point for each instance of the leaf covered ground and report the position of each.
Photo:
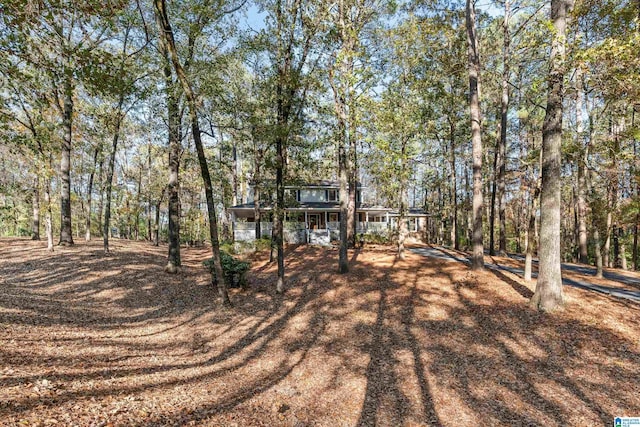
(94, 340)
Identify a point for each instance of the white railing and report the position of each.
(376, 226)
(245, 225)
(265, 227)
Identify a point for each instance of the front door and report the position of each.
(314, 221)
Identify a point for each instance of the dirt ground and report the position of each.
(94, 340)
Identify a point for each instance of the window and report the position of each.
(293, 195)
(332, 195)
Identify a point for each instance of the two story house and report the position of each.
(312, 215)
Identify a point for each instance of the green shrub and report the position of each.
(233, 269)
(375, 239)
(262, 244)
(227, 247)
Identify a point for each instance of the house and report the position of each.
(312, 215)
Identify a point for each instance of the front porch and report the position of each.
(310, 227)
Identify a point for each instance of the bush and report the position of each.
(227, 247)
(375, 239)
(233, 269)
(262, 244)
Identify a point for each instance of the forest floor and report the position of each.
(94, 340)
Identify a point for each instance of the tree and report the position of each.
(548, 294)
(477, 262)
(291, 38)
(166, 35)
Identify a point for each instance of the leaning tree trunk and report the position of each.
(169, 44)
(548, 295)
(66, 233)
(477, 261)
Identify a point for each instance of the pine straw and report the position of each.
(94, 340)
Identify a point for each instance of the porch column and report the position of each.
(306, 220)
(387, 219)
(326, 220)
(366, 220)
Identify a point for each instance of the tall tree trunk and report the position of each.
(637, 192)
(548, 294)
(256, 210)
(343, 262)
(455, 236)
(169, 45)
(494, 191)
(234, 173)
(623, 248)
(87, 223)
(66, 233)
(531, 233)
(257, 190)
(352, 218)
(278, 225)
(606, 249)
(109, 183)
(340, 103)
(598, 250)
(136, 224)
(101, 200)
(156, 230)
(504, 112)
(48, 218)
(35, 205)
(477, 261)
(353, 172)
(402, 217)
(173, 185)
(583, 254)
(149, 232)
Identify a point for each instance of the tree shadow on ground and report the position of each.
(415, 342)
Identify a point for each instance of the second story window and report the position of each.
(332, 195)
(293, 195)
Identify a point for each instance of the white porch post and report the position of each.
(306, 220)
(326, 220)
(366, 220)
(387, 219)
